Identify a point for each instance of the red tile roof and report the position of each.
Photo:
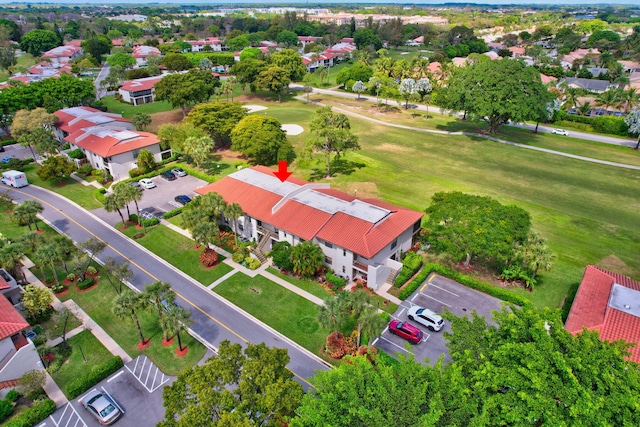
(140, 84)
(11, 322)
(66, 51)
(591, 309)
(4, 284)
(358, 235)
(73, 119)
(145, 51)
(109, 142)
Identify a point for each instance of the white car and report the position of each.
(179, 172)
(426, 317)
(560, 132)
(147, 183)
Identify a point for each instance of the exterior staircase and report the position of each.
(392, 276)
(266, 236)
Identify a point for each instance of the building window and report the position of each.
(259, 223)
(328, 260)
(344, 252)
(135, 154)
(416, 226)
(394, 244)
(344, 270)
(327, 244)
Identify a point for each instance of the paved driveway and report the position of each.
(157, 200)
(136, 388)
(436, 294)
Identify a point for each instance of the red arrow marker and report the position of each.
(282, 173)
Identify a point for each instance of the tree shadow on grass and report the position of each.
(338, 167)
(213, 166)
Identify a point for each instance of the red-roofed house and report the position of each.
(141, 53)
(17, 354)
(214, 43)
(109, 141)
(305, 40)
(359, 237)
(609, 303)
(139, 91)
(61, 54)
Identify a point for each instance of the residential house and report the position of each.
(609, 303)
(142, 53)
(493, 55)
(211, 44)
(517, 51)
(139, 91)
(630, 66)
(17, 353)
(360, 238)
(597, 86)
(108, 140)
(62, 54)
(548, 79)
(314, 61)
(305, 40)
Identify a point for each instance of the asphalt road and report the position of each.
(214, 318)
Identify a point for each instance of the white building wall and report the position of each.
(6, 348)
(25, 359)
(125, 94)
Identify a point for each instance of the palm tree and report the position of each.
(26, 212)
(51, 256)
(542, 258)
(125, 306)
(570, 98)
(370, 323)
(66, 246)
(608, 99)
(11, 255)
(631, 99)
(226, 88)
(159, 294)
(129, 193)
(584, 109)
(205, 233)
(233, 212)
(113, 203)
(192, 216)
(333, 312)
(176, 319)
(307, 258)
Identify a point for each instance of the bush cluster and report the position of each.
(146, 222)
(336, 281)
(410, 265)
(99, 194)
(172, 213)
(86, 283)
(97, 374)
(33, 415)
(611, 125)
(209, 257)
(252, 263)
(467, 281)
(76, 154)
(238, 257)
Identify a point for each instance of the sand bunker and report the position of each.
(254, 108)
(292, 129)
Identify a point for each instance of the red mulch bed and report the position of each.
(39, 231)
(63, 293)
(166, 343)
(183, 352)
(144, 345)
(67, 282)
(209, 267)
(60, 184)
(95, 283)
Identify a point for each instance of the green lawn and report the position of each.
(310, 286)
(283, 310)
(98, 303)
(86, 352)
(67, 187)
(182, 255)
(25, 60)
(587, 212)
(128, 110)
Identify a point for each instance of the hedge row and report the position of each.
(86, 283)
(172, 213)
(33, 415)
(97, 374)
(335, 280)
(410, 266)
(467, 281)
(146, 222)
(611, 125)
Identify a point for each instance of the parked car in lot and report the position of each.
(147, 183)
(102, 407)
(426, 317)
(182, 199)
(560, 132)
(406, 330)
(179, 172)
(169, 176)
(135, 184)
(7, 159)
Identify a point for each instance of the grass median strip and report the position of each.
(288, 313)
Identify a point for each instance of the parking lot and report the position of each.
(136, 389)
(156, 201)
(436, 294)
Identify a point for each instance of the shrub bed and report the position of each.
(611, 125)
(172, 213)
(33, 415)
(410, 266)
(97, 374)
(463, 280)
(336, 281)
(86, 283)
(146, 222)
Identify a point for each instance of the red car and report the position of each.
(406, 331)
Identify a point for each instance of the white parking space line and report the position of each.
(401, 312)
(114, 400)
(428, 296)
(150, 382)
(436, 286)
(415, 296)
(72, 417)
(392, 343)
(113, 377)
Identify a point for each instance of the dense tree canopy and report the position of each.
(497, 92)
(37, 41)
(274, 79)
(247, 72)
(190, 88)
(262, 139)
(472, 227)
(217, 119)
(234, 388)
(97, 46)
(291, 61)
(121, 59)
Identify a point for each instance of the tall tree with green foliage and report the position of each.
(497, 92)
(126, 306)
(121, 59)
(234, 388)
(333, 134)
(141, 121)
(36, 42)
(262, 139)
(234, 212)
(633, 121)
(176, 62)
(471, 227)
(28, 211)
(55, 168)
(36, 300)
(175, 320)
(199, 149)
(291, 61)
(183, 90)
(97, 46)
(274, 79)
(217, 119)
(145, 161)
(247, 72)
